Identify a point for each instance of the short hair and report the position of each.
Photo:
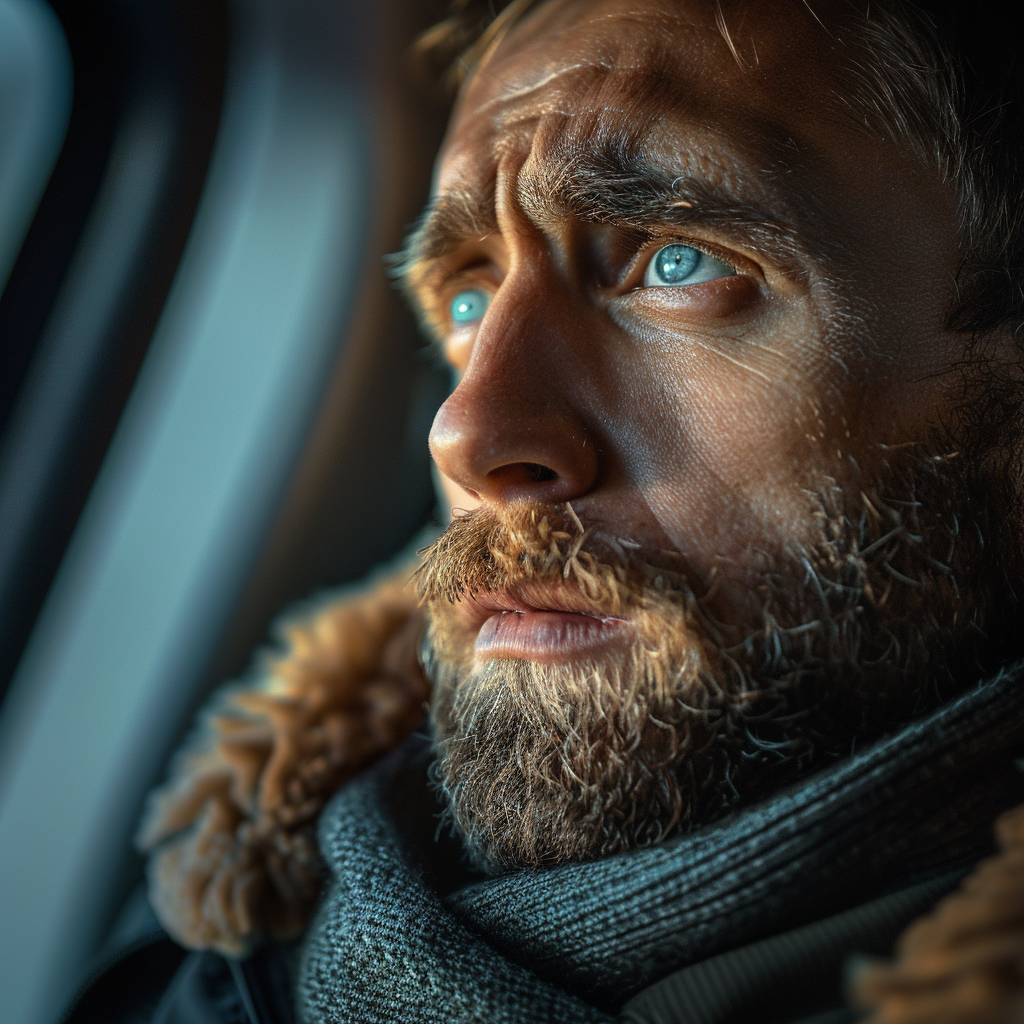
(936, 74)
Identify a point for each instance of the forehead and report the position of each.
(754, 79)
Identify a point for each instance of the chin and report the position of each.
(546, 761)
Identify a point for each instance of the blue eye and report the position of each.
(470, 305)
(679, 264)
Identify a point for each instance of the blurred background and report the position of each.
(212, 401)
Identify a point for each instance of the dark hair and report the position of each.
(951, 82)
(945, 76)
(454, 47)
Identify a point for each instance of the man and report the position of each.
(719, 644)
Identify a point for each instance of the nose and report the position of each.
(515, 427)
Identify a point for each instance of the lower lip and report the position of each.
(546, 636)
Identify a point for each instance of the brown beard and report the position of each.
(871, 625)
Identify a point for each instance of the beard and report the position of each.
(879, 619)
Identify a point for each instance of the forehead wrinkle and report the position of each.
(648, 86)
(581, 173)
(565, 23)
(508, 75)
(622, 123)
(603, 163)
(515, 94)
(605, 84)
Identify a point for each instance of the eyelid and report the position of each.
(439, 277)
(434, 291)
(465, 257)
(436, 277)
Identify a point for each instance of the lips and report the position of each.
(541, 624)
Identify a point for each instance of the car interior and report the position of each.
(213, 402)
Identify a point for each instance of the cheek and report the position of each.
(458, 347)
(722, 439)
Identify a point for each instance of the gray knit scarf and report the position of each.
(407, 934)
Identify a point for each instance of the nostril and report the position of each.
(517, 475)
(539, 474)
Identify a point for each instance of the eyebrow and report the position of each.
(448, 222)
(610, 184)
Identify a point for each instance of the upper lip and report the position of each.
(531, 597)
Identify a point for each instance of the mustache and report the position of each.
(531, 544)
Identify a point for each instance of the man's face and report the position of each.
(697, 309)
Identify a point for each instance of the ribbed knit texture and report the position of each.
(789, 977)
(573, 943)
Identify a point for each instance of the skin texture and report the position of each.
(693, 417)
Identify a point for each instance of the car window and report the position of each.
(271, 441)
(35, 102)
